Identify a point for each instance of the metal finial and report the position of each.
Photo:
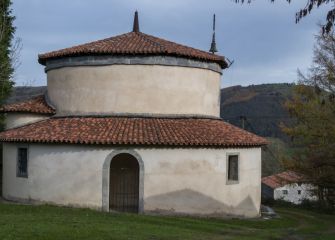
(136, 26)
(214, 23)
(213, 48)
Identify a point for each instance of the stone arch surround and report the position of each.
(106, 176)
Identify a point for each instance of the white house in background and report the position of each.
(131, 123)
(287, 186)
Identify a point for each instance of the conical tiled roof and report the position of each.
(134, 43)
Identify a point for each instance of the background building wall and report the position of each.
(292, 193)
(176, 181)
(151, 89)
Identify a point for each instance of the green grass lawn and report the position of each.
(48, 222)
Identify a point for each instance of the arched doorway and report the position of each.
(124, 183)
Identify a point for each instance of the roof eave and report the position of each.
(43, 60)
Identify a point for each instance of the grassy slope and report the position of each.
(47, 222)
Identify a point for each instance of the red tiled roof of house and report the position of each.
(281, 179)
(134, 43)
(149, 131)
(33, 105)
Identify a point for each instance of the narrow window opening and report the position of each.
(299, 192)
(233, 168)
(285, 192)
(22, 162)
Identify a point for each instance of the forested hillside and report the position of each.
(260, 107)
(23, 93)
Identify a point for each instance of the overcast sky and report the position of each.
(262, 38)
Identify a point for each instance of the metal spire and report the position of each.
(136, 26)
(213, 48)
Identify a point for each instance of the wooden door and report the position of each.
(124, 184)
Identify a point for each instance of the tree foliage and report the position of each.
(309, 6)
(7, 51)
(313, 107)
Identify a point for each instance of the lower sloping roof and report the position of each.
(157, 131)
(282, 179)
(36, 104)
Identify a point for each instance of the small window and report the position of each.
(299, 184)
(299, 192)
(232, 167)
(285, 192)
(22, 162)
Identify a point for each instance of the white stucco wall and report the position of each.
(19, 119)
(292, 193)
(191, 181)
(153, 89)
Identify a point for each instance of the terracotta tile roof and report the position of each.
(134, 43)
(182, 132)
(282, 179)
(33, 105)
